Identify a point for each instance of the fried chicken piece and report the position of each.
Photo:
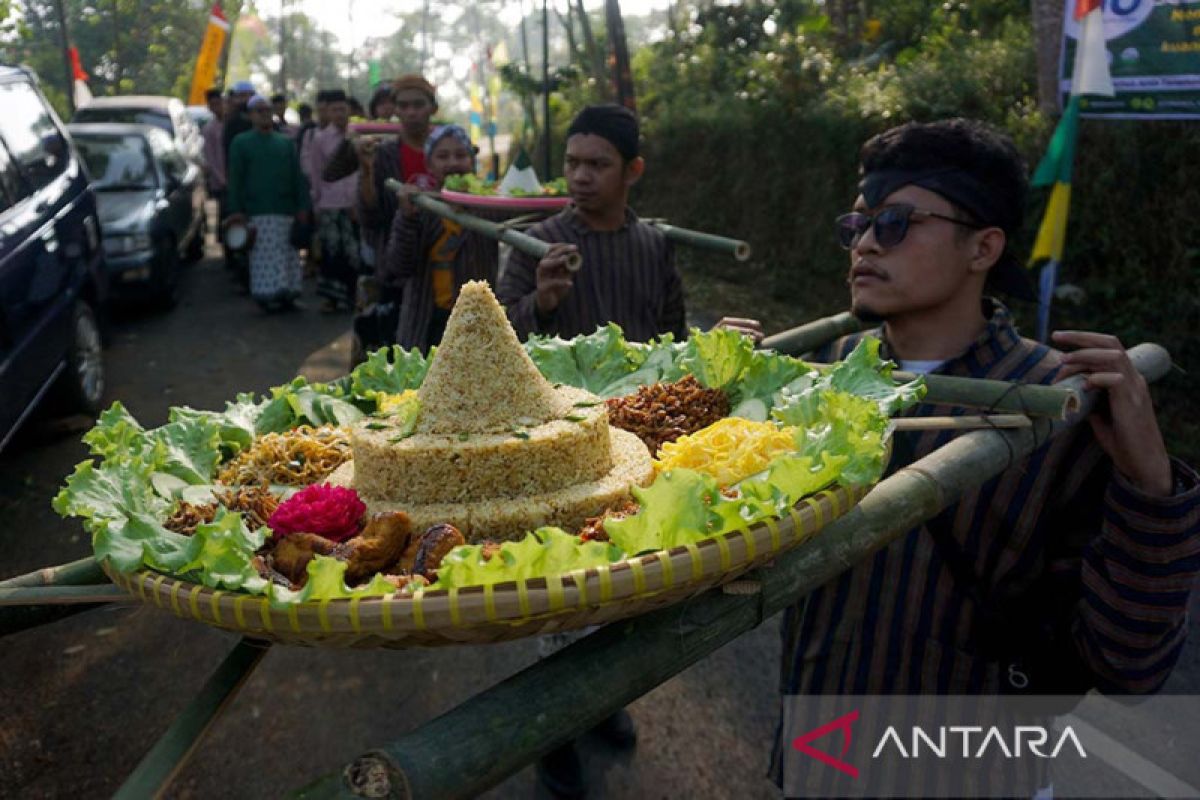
(291, 554)
(435, 544)
(379, 546)
(409, 557)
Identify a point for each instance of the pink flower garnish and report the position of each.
(329, 511)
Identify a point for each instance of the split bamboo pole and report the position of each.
(158, 767)
(737, 248)
(495, 230)
(497, 732)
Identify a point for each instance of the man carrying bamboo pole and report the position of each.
(628, 276)
(1071, 569)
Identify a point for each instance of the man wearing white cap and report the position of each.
(267, 187)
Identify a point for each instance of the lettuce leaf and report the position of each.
(865, 374)
(120, 509)
(389, 370)
(235, 424)
(304, 403)
(832, 423)
(548, 551)
(717, 357)
(188, 448)
(223, 550)
(594, 362)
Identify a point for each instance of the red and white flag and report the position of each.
(81, 94)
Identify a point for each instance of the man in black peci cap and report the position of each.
(628, 275)
(1070, 570)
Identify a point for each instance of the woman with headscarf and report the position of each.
(433, 257)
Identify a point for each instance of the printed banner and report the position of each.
(1153, 50)
(210, 54)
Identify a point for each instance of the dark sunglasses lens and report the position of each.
(891, 226)
(850, 227)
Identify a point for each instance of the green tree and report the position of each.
(127, 46)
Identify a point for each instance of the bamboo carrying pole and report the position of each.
(811, 335)
(1030, 399)
(705, 241)
(500, 730)
(158, 767)
(84, 572)
(63, 595)
(526, 244)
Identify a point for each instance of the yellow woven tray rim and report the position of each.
(426, 615)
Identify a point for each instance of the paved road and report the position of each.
(85, 698)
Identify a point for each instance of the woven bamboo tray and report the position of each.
(504, 611)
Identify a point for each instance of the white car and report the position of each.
(167, 113)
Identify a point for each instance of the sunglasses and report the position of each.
(890, 225)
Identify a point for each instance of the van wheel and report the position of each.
(82, 384)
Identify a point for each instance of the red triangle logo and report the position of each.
(842, 724)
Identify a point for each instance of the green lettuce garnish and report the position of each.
(223, 550)
(389, 370)
(865, 374)
(594, 362)
(717, 357)
(303, 403)
(547, 551)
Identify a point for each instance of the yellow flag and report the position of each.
(210, 54)
(1052, 235)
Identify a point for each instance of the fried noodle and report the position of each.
(297, 457)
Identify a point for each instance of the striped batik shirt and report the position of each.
(431, 258)
(1121, 563)
(628, 277)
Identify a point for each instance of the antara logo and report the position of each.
(1025, 738)
(1033, 736)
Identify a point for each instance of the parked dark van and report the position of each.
(52, 281)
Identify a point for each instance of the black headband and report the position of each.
(957, 186)
(972, 196)
(615, 123)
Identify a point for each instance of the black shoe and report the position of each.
(561, 772)
(618, 729)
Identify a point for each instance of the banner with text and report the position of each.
(1153, 54)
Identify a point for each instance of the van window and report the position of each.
(35, 142)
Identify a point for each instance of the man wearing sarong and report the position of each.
(628, 275)
(267, 188)
(1068, 571)
(334, 202)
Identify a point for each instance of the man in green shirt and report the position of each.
(268, 190)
